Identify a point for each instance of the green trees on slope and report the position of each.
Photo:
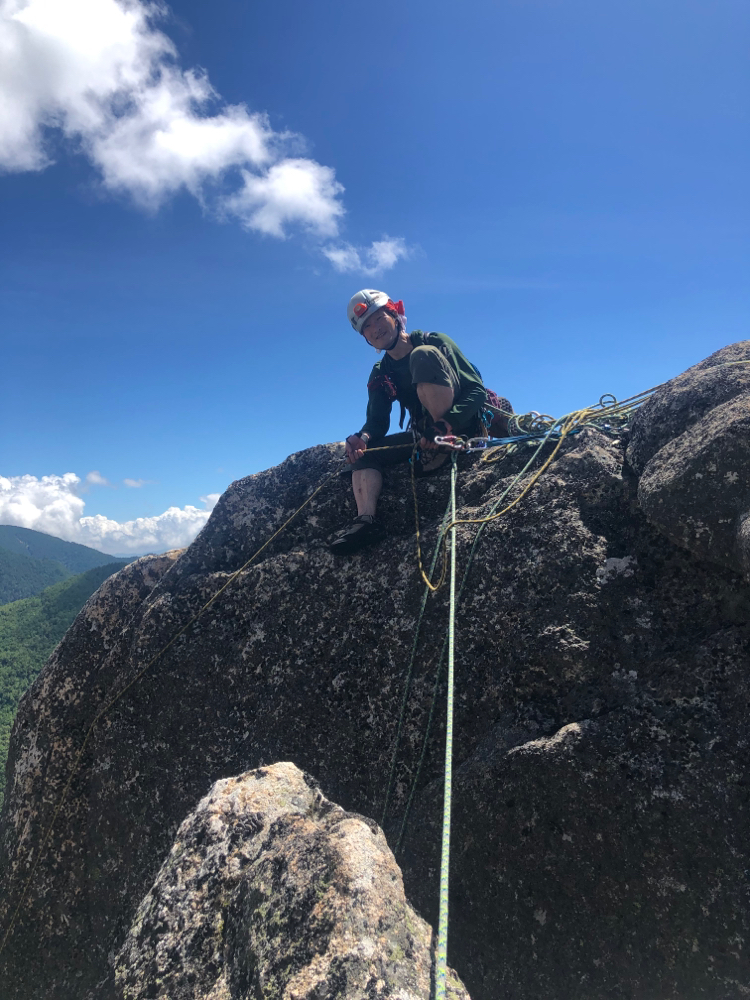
(29, 631)
(21, 576)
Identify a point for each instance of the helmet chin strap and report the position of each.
(400, 325)
(395, 339)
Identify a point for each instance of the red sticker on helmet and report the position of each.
(360, 308)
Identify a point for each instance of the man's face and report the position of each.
(380, 329)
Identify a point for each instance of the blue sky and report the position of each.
(564, 185)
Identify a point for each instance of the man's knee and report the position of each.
(426, 351)
(427, 364)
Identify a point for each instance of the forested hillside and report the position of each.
(30, 561)
(29, 631)
(21, 576)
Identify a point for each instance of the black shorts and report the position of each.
(399, 449)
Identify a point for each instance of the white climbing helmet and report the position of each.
(363, 305)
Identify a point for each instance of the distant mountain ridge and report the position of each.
(31, 560)
(40, 545)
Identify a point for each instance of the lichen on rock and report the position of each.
(270, 890)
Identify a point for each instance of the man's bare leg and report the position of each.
(436, 399)
(367, 484)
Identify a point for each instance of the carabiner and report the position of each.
(453, 441)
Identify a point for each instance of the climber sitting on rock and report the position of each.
(430, 377)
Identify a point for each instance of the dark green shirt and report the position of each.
(391, 380)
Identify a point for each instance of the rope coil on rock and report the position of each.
(603, 415)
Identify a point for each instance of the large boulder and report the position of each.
(602, 743)
(691, 446)
(270, 890)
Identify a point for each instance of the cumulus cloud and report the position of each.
(52, 504)
(136, 484)
(380, 256)
(101, 75)
(294, 190)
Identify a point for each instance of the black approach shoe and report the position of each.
(429, 462)
(364, 530)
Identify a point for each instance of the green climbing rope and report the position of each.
(510, 449)
(445, 853)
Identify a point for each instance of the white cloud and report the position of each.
(48, 504)
(380, 256)
(97, 479)
(344, 258)
(52, 504)
(100, 74)
(136, 484)
(291, 191)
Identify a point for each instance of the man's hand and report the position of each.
(355, 447)
(438, 428)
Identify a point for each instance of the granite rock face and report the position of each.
(601, 837)
(270, 890)
(691, 445)
(72, 688)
